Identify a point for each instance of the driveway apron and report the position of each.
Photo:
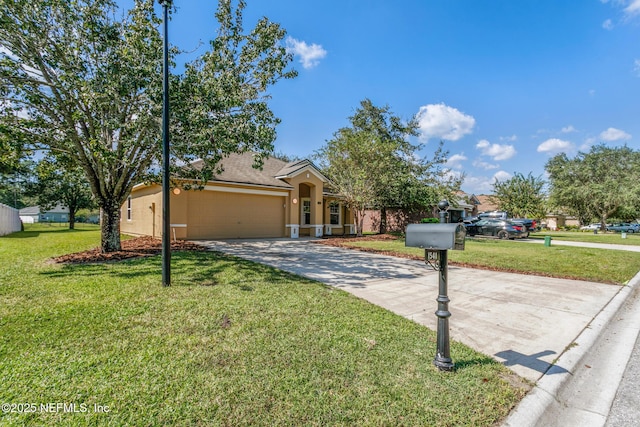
(523, 321)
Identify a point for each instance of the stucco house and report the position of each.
(280, 200)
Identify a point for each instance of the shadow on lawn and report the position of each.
(187, 269)
(35, 233)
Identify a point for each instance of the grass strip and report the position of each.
(595, 265)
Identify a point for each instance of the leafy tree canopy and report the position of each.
(597, 184)
(373, 164)
(84, 80)
(521, 196)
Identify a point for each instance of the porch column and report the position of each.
(317, 217)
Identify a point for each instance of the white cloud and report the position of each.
(455, 161)
(511, 138)
(477, 184)
(555, 145)
(569, 129)
(496, 151)
(607, 25)
(483, 184)
(310, 55)
(636, 67)
(485, 165)
(444, 122)
(633, 8)
(613, 134)
(501, 176)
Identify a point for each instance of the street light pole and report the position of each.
(166, 217)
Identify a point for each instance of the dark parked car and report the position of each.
(502, 229)
(625, 226)
(530, 224)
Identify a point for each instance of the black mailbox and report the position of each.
(436, 236)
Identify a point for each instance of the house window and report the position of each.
(306, 211)
(334, 214)
(129, 208)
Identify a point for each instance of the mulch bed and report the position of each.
(132, 248)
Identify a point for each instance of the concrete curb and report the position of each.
(546, 390)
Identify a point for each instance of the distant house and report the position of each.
(464, 206)
(33, 214)
(280, 200)
(485, 203)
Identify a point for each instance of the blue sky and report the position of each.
(506, 84)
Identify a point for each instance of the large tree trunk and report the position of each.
(110, 223)
(72, 219)
(383, 220)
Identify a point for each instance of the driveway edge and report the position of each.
(548, 387)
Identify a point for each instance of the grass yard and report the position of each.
(597, 265)
(230, 343)
(585, 236)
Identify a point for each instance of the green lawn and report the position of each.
(230, 343)
(598, 265)
(584, 236)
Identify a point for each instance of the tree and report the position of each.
(76, 81)
(15, 183)
(596, 184)
(521, 196)
(373, 164)
(62, 184)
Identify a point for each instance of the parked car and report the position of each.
(624, 227)
(530, 224)
(500, 228)
(493, 215)
(591, 227)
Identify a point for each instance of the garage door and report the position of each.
(225, 215)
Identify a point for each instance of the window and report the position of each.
(306, 211)
(334, 214)
(129, 208)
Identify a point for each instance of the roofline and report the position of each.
(286, 187)
(306, 165)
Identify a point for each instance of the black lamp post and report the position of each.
(443, 359)
(166, 217)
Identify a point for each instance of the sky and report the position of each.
(505, 84)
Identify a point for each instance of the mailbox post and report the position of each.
(436, 239)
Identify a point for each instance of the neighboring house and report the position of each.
(33, 214)
(280, 200)
(485, 203)
(554, 221)
(398, 219)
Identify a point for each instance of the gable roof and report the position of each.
(238, 169)
(486, 203)
(299, 166)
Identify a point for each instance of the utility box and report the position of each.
(436, 236)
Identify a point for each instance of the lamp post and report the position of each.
(443, 359)
(166, 217)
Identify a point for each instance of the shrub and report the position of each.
(429, 220)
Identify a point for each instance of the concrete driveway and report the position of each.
(525, 322)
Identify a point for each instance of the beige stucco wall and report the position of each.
(146, 212)
(234, 211)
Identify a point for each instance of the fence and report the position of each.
(9, 220)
